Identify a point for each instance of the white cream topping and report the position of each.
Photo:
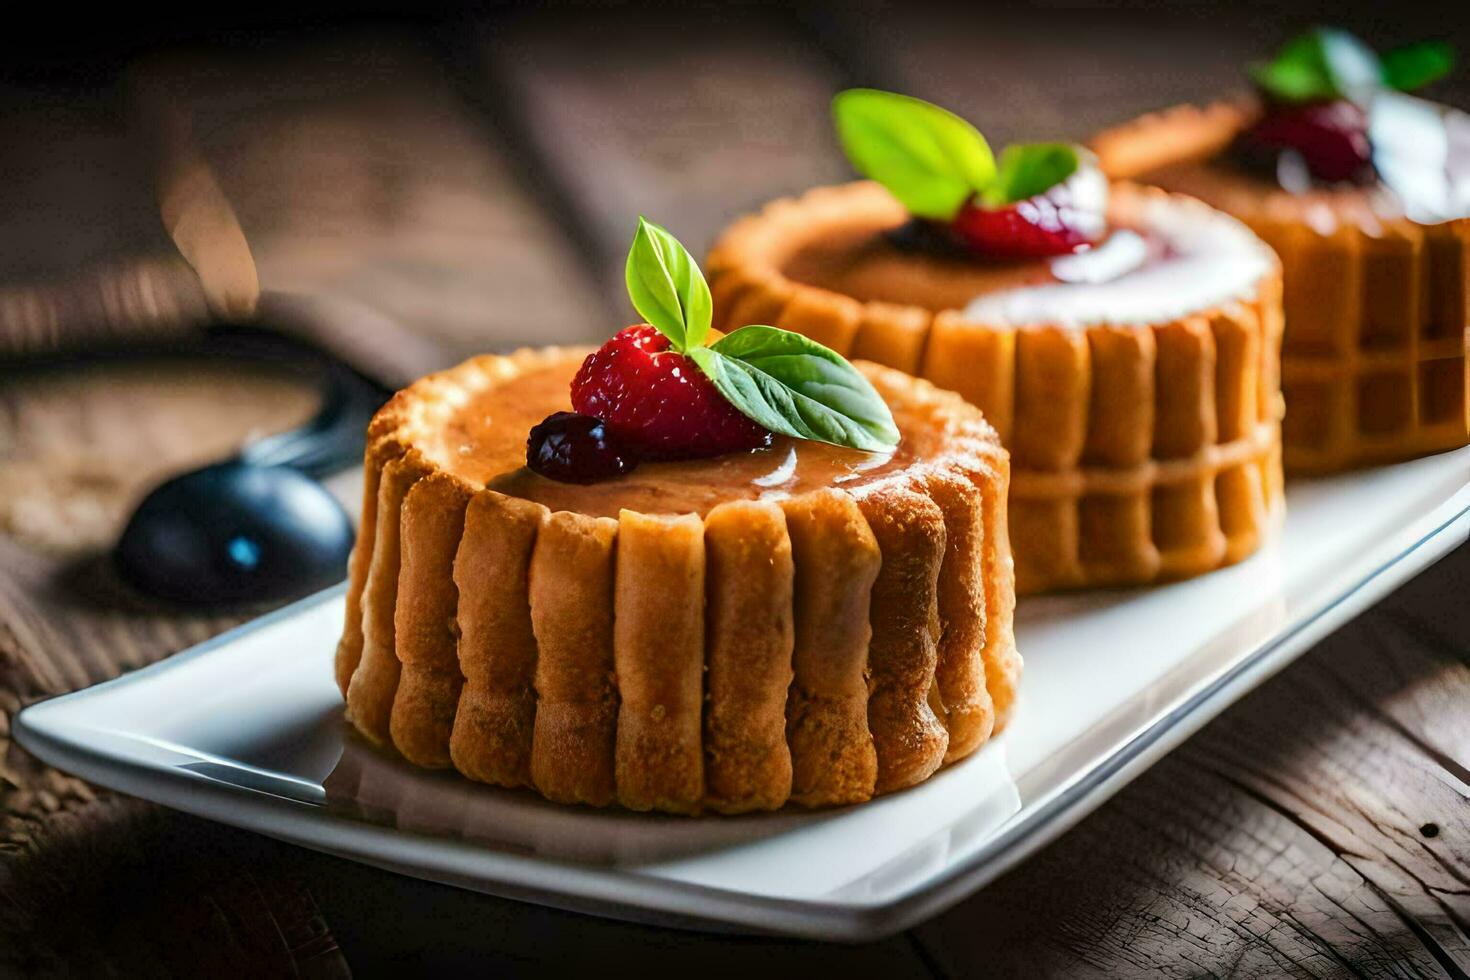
(1419, 149)
(1207, 258)
(1120, 254)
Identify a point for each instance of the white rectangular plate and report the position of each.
(247, 729)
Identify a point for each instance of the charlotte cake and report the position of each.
(687, 601)
(1123, 341)
(1364, 192)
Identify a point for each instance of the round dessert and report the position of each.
(694, 626)
(1133, 378)
(1365, 196)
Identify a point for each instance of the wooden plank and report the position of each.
(83, 256)
(1321, 827)
(1024, 75)
(373, 196)
(94, 882)
(689, 116)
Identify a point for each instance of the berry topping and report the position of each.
(576, 448)
(658, 391)
(1319, 90)
(1065, 218)
(1032, 201)
(1330, 137)
(658, 401)
(936, 238)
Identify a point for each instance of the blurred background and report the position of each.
(400, 185)
(202, 207)
(468, 175)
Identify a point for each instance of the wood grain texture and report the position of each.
(691, 132)
(376, 200)
(1319, 828)
(84, 258)
(1025, 75)
(160, 892)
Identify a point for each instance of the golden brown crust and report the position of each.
(1373, 362)
(1104, 422)
(676, 662)
(658, 647)
(491, 740)
(424, 620)
(1374, 365)
(349, 648)
(1184, 132)
(747, 764)
(571, 595)
(964, 704)
(375, 680)
(990, 472)
(836, 560)
(909, 739)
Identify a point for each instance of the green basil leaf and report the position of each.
(667, 288)
(1416, 65)
(1293, 81)
(928, 158)
(795, 386)
(1323, 63)
(1028, 169)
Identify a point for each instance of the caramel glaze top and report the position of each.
(484, 443)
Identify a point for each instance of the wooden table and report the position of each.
(472, 184)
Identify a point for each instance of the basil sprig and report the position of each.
(933, 161)
(783, 381)
(1329, 63)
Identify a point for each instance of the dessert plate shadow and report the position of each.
(246, 729)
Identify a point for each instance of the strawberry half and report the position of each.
(1065, 218)
(657, 400)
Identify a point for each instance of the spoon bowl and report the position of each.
(234, 533)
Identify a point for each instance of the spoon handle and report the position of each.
(330, 441)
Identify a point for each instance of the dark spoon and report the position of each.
(236, 532)
(256, 528)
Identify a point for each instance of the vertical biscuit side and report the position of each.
(835, 562)
(571, 591)
(909, 739)
(658, 648)
(374, 683)
(748, 585)
(349, 647)
(959, 674)
(424, 622)
(491, 738)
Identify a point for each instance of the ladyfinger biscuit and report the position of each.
(491, 738)
(908, 738)
(959, 673)
(375, 681)
(571, 590)
(424, 622)
(658, 647)
(836, 560)
(747, 765)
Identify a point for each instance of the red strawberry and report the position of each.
(1062, 219)
(657, 401)
(1332, 138)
